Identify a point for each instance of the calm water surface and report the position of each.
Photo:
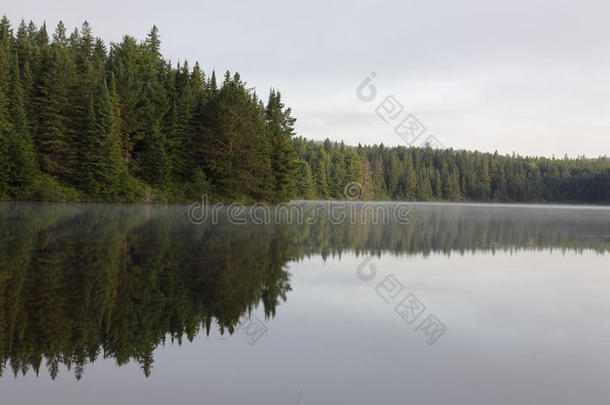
(464, 304)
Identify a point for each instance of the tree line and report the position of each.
(427, 174)
(83, 122)
(79, 121)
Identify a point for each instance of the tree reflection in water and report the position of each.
(80, 281)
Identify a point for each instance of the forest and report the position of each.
(80, 121)
(427, 174)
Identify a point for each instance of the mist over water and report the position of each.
(138, 304)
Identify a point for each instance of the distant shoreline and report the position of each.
(498, 204)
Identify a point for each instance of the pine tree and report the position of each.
(5, 73)
(121, 185)
(53, 136)
(153, 161)
(22, 167)
(213, 85)
(354, 168)
(411, 181)
(337, 175)
(429, 185)
(124, 62)
(321, 181)
(153, 42)
(304, 184)
(5, 41)
(4, 165)
(484, 181)
(102, 170)
(237, 152)
(4, 153)
(380, 190)
(393, 175)
(280, 126)
(106, 122)
(155, 165)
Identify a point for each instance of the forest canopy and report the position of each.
(82, 121)
(427, 174)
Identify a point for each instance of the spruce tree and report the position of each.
(155, 164)
(4, 156)
(411, 181)
(237, 154)
(5, 72)
(22, 166)
(121, 184)
(102, 170)
(320, 177)
(53, 136)
(4, 165)
(337, 179)
(153, 161)
(484, 181)
(173, 129)
(304, 184)
(280, 126)
(5, 41)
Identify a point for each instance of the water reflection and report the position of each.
(82, 281)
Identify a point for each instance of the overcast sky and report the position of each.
(526, 76)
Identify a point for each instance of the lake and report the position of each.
(307, 303)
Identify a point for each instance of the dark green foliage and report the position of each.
(21, 164)
(123, 124)
(53, 137)
(102, 170)
(238, 146)
(320, 163)
(4, 165)
(427, 174)
(280, 125)
(81, 121)
(304, 184)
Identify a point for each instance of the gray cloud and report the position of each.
(525, 76)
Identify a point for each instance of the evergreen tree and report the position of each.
(54, 106)
(237, 152)
(321, 181)
(153, 161)
(337, 175)
(5, 42)
(4, 165)
(102, 170)
(280, 125)
(304, 183)
(429, 174)
(411, 181)
(78, 121)
(22, 167)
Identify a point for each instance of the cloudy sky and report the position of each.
(531, 76)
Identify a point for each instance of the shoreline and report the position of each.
(482, 204)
